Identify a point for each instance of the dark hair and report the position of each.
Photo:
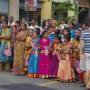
(72, 23)
(64, 20)
(43, 33)
(68, 36)
(18, 22)
(58, 37)
(24, 24)
(79, 30)
(57, 31)
(44, 22)
(34, 19)
(38, 31)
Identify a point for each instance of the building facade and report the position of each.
(84, 4)
(9, 8)
(16, 8)
(4, 4)
(44, 11)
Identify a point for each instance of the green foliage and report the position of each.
(63, 7)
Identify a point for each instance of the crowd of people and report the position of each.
(48, 52)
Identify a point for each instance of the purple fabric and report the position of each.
(54, 63)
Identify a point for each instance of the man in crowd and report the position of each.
(11, 21)
(85, 56)
(33, 24)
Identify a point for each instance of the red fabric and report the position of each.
(81, 76)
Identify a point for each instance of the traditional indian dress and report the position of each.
(75, 51)
(44, 58)
(27, 52)
(19, 51)
(13, 38)
(33, 60)
(54, 62)
(76, 59)
(5, 50)
(65, 70)
(51, 38)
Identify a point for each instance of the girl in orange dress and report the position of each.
(65, 70)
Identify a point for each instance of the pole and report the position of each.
(76, 11)
(89, 14)
(27, 9)
(27, 17)
(77, 3)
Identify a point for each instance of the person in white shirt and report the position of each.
(33, 24)
(11, 22)
(63, 25)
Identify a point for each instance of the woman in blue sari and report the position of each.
(33, 61)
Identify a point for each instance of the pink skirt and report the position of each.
(44, 64)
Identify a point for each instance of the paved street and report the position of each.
(10, 82)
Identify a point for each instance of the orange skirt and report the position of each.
(32, 75)
(65, 71)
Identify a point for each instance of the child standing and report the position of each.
(65, 70)
(54, 58)
(76, 56)
(33, 60)
(44, 57)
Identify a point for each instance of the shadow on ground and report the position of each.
(23, 87)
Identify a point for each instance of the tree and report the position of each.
(63, 7)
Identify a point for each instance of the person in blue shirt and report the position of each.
(72, 30)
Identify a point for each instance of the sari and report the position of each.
(19, 52)
(5, 48)
(33, 59)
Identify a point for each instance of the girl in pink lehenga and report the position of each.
(44, 57)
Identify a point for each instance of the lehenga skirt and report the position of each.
(19, 59)
(65, 71)
(44, 64)
(33, 66)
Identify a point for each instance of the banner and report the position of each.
(30, 5)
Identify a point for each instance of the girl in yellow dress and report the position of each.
(27, 51)
(76, 55)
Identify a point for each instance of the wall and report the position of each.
(83, 3)
(46, 10)
(14, 9)
(4, 6)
